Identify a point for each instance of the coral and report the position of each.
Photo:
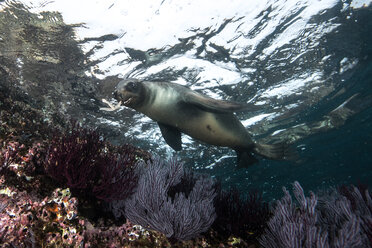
(117, 177)
(19, 159)
(27, 220)
(3, 203)
(326, 222)
(361, 204)
(8, 154)
(83, 162)
(72, 158)
(181, 216)
(244, 217)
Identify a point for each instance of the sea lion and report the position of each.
(178, 109)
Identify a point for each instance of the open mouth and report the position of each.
(128, 101)
(125, 97)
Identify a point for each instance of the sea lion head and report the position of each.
(131, 92)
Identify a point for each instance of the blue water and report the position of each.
(298, 61)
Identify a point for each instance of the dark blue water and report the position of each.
(308, 67)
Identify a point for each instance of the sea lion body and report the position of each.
(177, 109)
(219, 129)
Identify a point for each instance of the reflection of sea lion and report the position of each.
(178, 109)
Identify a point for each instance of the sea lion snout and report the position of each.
(123, 96)
(129, 92)
(120, 95)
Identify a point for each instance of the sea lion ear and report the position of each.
(171, 135)
(217, 106)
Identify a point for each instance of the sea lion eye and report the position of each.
(131, 86)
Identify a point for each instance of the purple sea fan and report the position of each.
(327, 222)
(361, 204)
(83, 162)
(118, 177)
(72, 157)
(180, 217)
(294, 227)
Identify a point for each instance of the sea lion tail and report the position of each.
(281, 151)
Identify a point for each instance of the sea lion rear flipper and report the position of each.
(281, 151)
(171, 135)
(217, 106)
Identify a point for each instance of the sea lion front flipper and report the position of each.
(245, 158)
(171, 135)
(217, 106)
